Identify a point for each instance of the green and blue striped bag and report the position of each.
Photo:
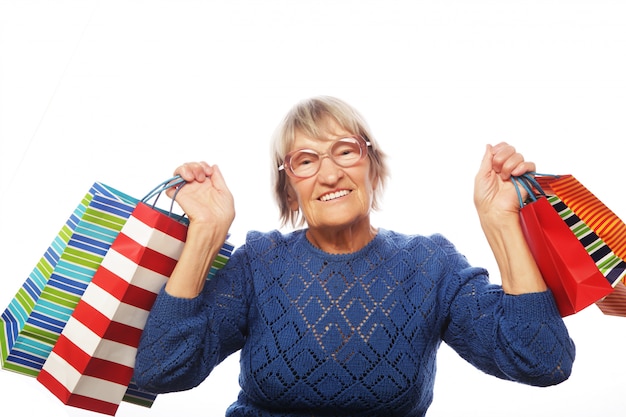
(14, 317)
(34, 319)
(612, 266)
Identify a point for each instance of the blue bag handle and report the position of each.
(156, 192)
(530, 184)
(519, 182)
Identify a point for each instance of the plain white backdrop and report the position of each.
(124, 91)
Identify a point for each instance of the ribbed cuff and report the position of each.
(170, 308)
(536, 305)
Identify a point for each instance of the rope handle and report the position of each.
(178, 182)
(528, 182)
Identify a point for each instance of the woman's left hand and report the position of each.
(495, 197)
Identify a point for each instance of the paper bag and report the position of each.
(35, 317)
(92, 364)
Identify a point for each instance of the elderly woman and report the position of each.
(341, 317)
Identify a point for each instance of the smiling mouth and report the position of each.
(336, 194)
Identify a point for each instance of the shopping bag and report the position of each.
(566, 266)
(20, 307)
(34, 318)
(610, 265)
(614, 304)
(604, 222)
(91, 365)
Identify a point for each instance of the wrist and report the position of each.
(499, 220)
(518, 271)
(203, 243)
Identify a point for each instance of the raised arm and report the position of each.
(209, 205)
(498, 208)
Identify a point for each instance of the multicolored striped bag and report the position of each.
(35, 317)
(92, 364)
(612, 266)
(614, 304)
(604, 223)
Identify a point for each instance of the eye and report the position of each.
(346, 150)
(303, 158)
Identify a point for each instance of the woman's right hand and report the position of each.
(205, 198)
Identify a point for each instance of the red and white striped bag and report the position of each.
(92, 363)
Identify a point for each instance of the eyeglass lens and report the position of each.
(344, 152)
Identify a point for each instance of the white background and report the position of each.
(124, 91)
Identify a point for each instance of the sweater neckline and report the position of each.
(372, 244)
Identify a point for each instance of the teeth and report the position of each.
(332, 196)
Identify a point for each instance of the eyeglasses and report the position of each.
(345, 152)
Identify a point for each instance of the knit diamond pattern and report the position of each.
(339, 331)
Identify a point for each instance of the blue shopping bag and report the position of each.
(34, 318)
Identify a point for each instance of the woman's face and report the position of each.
(335, 197)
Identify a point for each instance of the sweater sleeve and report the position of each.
(520, 338)
(184, 339)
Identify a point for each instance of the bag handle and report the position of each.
(519, 182)
(530, 184)
(156, 192)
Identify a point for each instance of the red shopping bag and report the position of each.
(567, 268)
(91, 365)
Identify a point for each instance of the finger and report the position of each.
(509, 164)
(522, 168)
(498, 147)
(193, 171)
(217, 178)
(185, 172)
(486, 165)
(208, 170)
(502, 153)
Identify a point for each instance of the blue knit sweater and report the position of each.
(351, 334)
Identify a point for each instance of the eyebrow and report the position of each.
(327, 140)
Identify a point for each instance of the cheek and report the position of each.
(366, 196)
(372, 183)
(297, 193)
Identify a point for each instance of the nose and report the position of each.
(329, 171)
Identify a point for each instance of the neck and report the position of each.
(345, 240)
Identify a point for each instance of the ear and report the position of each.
(292, 199)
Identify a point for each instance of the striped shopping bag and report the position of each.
(614, 304)
(604, 223)
(36, 315)
(612, 266)
(91, 365)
